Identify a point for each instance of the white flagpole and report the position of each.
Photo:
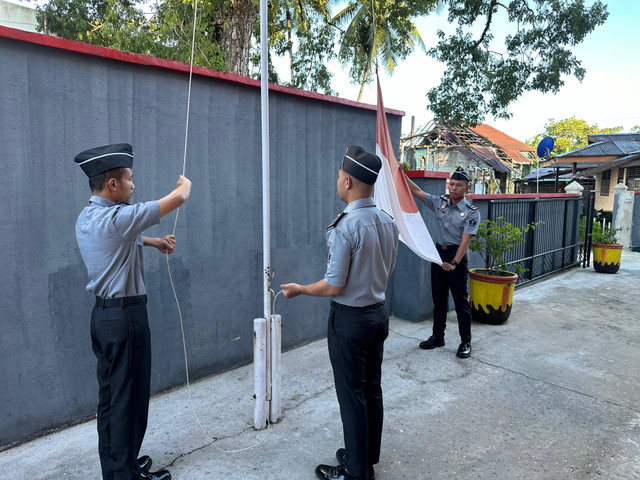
(263, 397)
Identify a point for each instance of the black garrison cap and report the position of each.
(361, 164)
(100, 159)
(460, 174)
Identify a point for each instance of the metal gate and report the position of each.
(557, 242)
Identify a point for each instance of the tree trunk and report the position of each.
(364, 80)
(235, 39)
(290, 44)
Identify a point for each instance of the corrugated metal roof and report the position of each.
(628, 146)
(603, 137)
(512, 147)
(620, 162)
(483, 154)
(605, 148)
(611, 144)
(544, 171)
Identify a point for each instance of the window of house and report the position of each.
(633, 178)
(605, 183)
(620, 175)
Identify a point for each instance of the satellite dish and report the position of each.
(544, 147)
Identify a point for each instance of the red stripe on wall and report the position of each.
(146, 60)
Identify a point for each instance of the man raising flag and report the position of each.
(392, 194)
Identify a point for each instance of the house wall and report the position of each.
(17, 16)
(447, 160)
(59, 101)
(605, 202)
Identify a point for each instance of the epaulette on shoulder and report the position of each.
(472, 207)
(444, 197)
(335, 222)
(387, 213)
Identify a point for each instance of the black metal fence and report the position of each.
(555, 243)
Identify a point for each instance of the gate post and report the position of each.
(623, 213)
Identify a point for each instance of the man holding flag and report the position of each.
(394, 195)
(457, 224)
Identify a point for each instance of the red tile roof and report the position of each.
(510, 145)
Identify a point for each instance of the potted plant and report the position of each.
(491, 288)
(606, 249)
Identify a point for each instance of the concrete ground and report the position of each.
(551, 394)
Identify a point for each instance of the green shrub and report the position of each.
(605, 236)
(494, 239)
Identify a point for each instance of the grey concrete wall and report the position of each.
(55, 103)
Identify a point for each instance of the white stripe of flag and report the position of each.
(392, 194)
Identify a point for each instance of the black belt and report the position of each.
(446, 247)
(121, 301)
(340, 306)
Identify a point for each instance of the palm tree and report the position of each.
(378, 30)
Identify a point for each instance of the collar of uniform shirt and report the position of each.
(101, 201)
(360, 203)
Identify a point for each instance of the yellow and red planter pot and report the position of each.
(606, 258)
(491, 296)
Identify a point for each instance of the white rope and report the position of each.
(273, 305)
(175, 224)
(186, 128)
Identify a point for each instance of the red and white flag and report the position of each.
(392, 194)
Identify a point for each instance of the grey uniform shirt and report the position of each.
(453, 220)
(362, 252)
(110, 240)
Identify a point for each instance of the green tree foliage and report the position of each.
(483, 78)
(495, 239)
(569, 134)
(113, 23)
(174, 24)
(378, 29)
(165, 32)
(478, 80)
(300, 30)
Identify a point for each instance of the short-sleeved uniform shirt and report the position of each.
(453, 220)
(363, 245)
(110, 240)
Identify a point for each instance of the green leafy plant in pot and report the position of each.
(491, 288)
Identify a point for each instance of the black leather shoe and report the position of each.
(143, 464)
(159, 475)
(432, 342)
(464, 350)
(327, 472)
(341, 456)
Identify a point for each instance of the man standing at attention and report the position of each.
(109, 233)
(363, 242)
(457, 224)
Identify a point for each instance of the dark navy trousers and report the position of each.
(456, 281)
(356, 338)
(121, 343)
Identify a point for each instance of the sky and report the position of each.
(608, 96)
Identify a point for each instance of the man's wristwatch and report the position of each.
(453, 262)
